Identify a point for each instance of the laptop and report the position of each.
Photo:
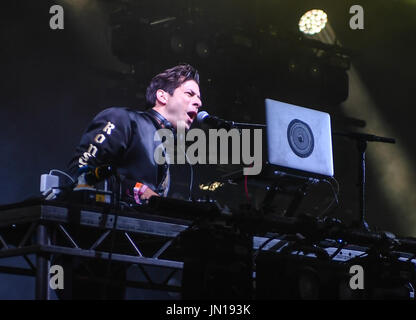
(299, 138)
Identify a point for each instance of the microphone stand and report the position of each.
(243, 124)
(117, 191)
(361, 140)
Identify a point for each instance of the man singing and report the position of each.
(124, 138)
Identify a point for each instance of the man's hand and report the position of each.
(148, 193)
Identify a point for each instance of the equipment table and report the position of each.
(31, 227)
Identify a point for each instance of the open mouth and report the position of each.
(192, 115)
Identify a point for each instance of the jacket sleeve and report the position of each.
(104, 141)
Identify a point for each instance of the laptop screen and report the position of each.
(299, 138)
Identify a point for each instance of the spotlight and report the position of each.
(315, 71)
(177, 44)
(211, 187)
(292, 66)
(168, 19)
(313, 21)
(202, 49)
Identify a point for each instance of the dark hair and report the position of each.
(169, 80)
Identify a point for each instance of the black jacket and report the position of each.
(123, 138)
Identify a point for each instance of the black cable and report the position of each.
(265, 243)
(191, 183)
(340, 247)
(117, 197)
(357, 257)
(332, 178)
(335, 195)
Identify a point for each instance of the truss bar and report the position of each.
(19, 251)
(68, 236)
(115, 256)
(133, 284)
(93, 254)
(149, 280)
(28, 234)
(16, 270)
(133, 244)
(42, 265)
(170, 275)
(100, 240)
(163, 249)
(31, 265)
(5, 246)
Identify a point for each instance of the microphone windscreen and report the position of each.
(201, 116)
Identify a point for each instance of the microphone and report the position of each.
(93, 175)
(203, 118)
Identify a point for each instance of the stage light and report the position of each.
(177, 44)
(315, 71)
(202, 49)
(211, 187)
(159, 21)
(313, 21)
(293, 66)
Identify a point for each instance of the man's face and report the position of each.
(182, 107)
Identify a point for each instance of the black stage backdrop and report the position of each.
(54, 81)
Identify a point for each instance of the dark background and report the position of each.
(54, 81)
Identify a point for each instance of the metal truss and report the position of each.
(51, 231)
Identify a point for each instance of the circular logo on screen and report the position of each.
(300, 138)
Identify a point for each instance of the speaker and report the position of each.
(217, 264)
